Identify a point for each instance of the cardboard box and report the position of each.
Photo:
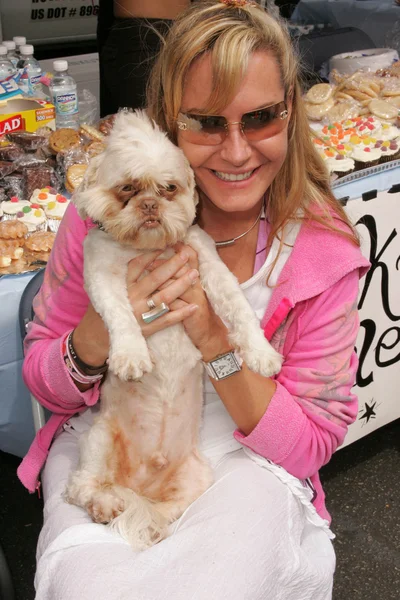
(26, 114)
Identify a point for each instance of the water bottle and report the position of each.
(64, 96)
(11, 52)
(6, 67)
(19, 41)
(30, 81)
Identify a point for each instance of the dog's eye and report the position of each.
(171, 188)
(127, 188)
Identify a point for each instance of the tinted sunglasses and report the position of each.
(211, 130)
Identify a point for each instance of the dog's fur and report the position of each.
(140, 467)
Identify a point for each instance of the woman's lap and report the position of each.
(247, 537)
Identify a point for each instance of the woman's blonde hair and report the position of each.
(230, 34)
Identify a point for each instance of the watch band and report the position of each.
(224, 365)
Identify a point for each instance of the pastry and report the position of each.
(390, 149)
(10, 152)
(74, 178)
(43, 196)
(366, 157)
(383, 109)
(9, 250)
(6, 168)
(38, 177)
(316, 112)
(33, 216)
(27, 140)
(92, 133)
(40, 241)
(319, 93)
(340, 165)
(12, 207)
(94, 148)
(12, 230)
(55, 211)
(63, 139)
(106, 124)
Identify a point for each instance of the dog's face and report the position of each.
(141, 189)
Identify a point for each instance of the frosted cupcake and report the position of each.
(365, 157)
(34, 218)
(390, 149)
(12, 207)
(389, 132)
(44, 196)
(340, 165)
(55, 210)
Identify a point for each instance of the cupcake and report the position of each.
(43, 196)
(12, 207)
(55, 210)
(340, 165)
(34, 218)
(389, 132)
(390, 149)
(365, 157)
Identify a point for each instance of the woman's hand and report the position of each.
(202, 325)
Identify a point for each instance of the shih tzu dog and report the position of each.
(140, 466)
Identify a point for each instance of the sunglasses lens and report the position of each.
(265, 123)
(211, 130)
(203, 130)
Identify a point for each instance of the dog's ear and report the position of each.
(88, 182)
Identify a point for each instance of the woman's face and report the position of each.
(260, 161)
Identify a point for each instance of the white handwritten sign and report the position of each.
(378, 342)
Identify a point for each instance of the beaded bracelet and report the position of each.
(74, 370)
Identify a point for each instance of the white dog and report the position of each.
(140, 466)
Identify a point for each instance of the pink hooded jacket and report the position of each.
(311, 319)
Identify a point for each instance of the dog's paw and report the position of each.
(130, 364)
(105, 506)
(265, 362)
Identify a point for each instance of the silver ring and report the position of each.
(151, 304)
(155, 313)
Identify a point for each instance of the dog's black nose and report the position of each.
(149, 205)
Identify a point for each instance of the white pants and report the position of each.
(247, 538)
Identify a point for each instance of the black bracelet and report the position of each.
(88, 369)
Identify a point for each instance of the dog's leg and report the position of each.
(105, 270)
(229, 303)
(91, 486)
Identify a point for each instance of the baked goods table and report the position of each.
(372, 200)
(377, 18)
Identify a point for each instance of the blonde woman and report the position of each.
(226, 89)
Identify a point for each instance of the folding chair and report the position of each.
(25, 316)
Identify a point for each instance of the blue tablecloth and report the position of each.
(379, 19)
(16, 422)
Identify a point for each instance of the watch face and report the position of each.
(225, 365)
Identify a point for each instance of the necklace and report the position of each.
(233, 240)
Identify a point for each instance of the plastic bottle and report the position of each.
(19, 41)
(64, 96)
(11, 52)
(6, 66)
(30, 84)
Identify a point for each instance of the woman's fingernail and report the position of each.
(192, 308)
(194, 275)
(184, 255)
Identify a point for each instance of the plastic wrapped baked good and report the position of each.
(27, 140)
(10, 152)
(34, 178)
(6, 167)
(106, 124)
(74, 177)
(64, 139)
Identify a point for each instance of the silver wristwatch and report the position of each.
(224, 365)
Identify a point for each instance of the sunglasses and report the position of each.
(211, 130)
